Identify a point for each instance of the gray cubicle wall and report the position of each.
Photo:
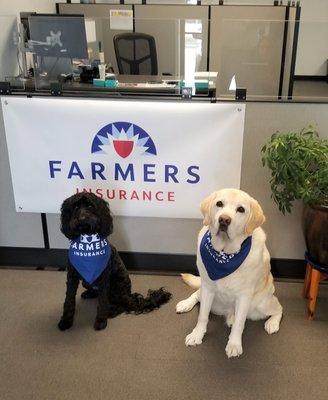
(178, 236)
(16, 230)
(167, 24)
(290, 32)
(8, 46)
(100, 13)
(247, 42)
(243, 40)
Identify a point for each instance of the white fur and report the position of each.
(246, 293)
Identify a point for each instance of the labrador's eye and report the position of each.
(219, 204)
(241, 209)
(90, 207)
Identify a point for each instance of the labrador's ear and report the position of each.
(256, 217)
(205, 207)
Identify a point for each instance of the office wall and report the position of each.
(312, 46)
(289, 50)
(246, 42)
(14, 7)
(162, 22)
(312, 52)
(167, 25)
(9, 12)
(16, 230)
(100, 14)
(8, 46)
(159, 235)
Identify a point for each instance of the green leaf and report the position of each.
(299, 167)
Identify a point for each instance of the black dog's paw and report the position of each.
(100, 324)
(65, 324)
(89, 294)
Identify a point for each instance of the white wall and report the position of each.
(11, 7)
(312, 52)
(9, 13)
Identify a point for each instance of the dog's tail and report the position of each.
(138, 304)
(191, 280)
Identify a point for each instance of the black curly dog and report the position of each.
(85, 213)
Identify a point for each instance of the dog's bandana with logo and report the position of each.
(89, 255)
(219, 264)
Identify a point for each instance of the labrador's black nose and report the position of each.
(224, 220)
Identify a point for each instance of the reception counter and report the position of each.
(185, 134)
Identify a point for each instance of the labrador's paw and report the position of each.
(194, 338)
(233, 349)
(272, 325)
(184, 306)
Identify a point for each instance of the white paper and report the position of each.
(121, 20)
(90, 28)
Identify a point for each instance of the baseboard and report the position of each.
(288, 268)
(323, 78)
(156, 262)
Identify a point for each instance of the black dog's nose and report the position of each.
(83, 215)
(224, 220)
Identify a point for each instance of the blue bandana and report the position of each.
(89, 255)
(219, 264)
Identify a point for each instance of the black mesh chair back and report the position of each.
(136, 54)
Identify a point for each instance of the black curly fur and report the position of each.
(99, 217)
(85, 213)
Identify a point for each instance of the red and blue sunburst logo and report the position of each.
(125, 139)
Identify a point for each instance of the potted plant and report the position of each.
(299, 171)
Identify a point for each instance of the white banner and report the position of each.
(149, 159)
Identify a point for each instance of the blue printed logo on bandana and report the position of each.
(219, 264)
(89, 255)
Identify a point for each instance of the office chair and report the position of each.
(136, 54)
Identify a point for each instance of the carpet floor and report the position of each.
(144, 357)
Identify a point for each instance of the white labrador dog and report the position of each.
(232, 232)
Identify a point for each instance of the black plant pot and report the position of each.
(315, 230)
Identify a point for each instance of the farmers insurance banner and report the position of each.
(156, 159)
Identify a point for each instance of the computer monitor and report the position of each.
(61, 36)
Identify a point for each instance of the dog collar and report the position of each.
(89, 255)
(219, 264)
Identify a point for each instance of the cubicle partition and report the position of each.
(98, 25)
(11, 60)
(291, 23)
(175, 29)
(249, 46)
(191, 29)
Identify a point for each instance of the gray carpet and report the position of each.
(144, 357)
